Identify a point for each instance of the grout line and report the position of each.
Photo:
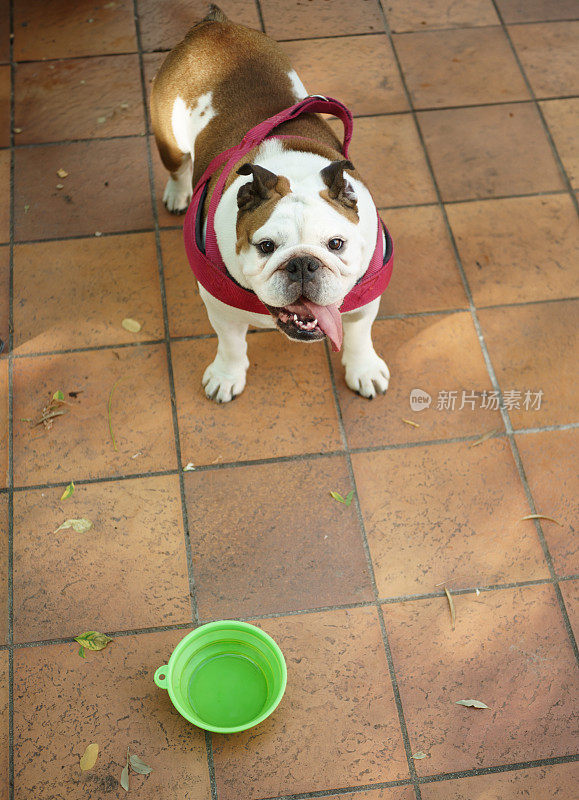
(283, 459)
(187, 540)
(372, 576)
(260, 15)
(166, 339)
(486, 356)
(445, 776)
(395, 113)
(377, 602)
(538, 108)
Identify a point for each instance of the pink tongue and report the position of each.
(329, 319)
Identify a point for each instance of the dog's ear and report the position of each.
(338, 187)
(264, 184)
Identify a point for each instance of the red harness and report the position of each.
(206, 262)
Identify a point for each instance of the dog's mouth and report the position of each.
(308, 321)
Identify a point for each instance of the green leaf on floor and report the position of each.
(68, 492)
(88, 759)
(139, 766)
(58, 395)
(345, 500)
(93, 640)
(78, 525)
(81, 652)
(125, 777)
(419, 755)
(471, 703)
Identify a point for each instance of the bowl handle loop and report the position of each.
(161, 676)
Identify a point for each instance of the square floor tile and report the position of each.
(388, 154)
(62, 703)
(292, 19)
(287, 407)
(556, 780)
(460, 67)
(361, 71)
(83, 98)
(187, 313)
(454, 517)
(534, 348)
(551, 465)
(489, 151)
(79, 444)
(563, 120)
(510, 650)
(539, 263)
(337, 724)
(291, 547)
(107, 189)
(425, 275)
(64, 297)
(536, 10)
(416, 15)
(5, 33)
(4, 756)
(436, 354)
(5, 199)
(163, 23)
(3, 571)
(570, 592)
(60, 29)
(130, 570)
(3, 422)
(549, 55)
(4, 297)
(4, 106)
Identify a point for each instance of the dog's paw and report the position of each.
(177, 196)
(368, 377)
(220, 386)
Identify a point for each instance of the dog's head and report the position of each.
(301, 243)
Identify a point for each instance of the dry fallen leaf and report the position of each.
(68, 492)
(78, 525)
(484, 437)
(189, 467)
(89, 757)
(451, 606)
(60, 185)
(93, 640)
(471, 703)
(131, 325)
(17, 130)
(62, 173)
(540, 516)
(419, 755)
(100, 120)
(409, 422)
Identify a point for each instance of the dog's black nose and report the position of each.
(302, 268)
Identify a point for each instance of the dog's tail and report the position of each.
(215, 15)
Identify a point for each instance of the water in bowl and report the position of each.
(227, 690)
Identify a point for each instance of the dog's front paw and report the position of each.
(222, 386)
(177, 196)
(368, 376)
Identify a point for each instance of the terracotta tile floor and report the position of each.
(466, 133)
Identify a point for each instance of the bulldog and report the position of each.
(280, 229)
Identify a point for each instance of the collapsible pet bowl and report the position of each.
(225, 676)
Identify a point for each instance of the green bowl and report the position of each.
(225, 676)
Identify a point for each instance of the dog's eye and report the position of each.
(336, 244)
(267, 246)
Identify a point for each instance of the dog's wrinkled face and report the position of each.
(301, 245)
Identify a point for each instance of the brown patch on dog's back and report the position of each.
(248, 222)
